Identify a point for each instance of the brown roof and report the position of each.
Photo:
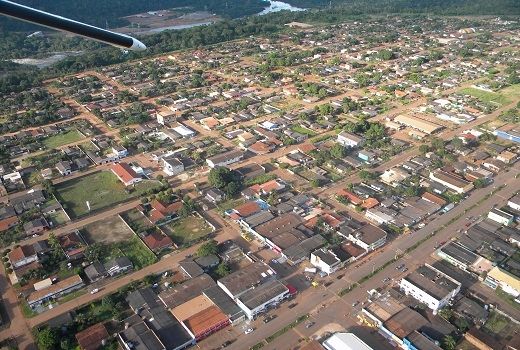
(278, 225)
(433, 198)
(91, 338)
(370, 203)
(21, 252)
(306, 147)
(205, 319)
(350, 196)
(69, 240)
(247, 208)
(124, 172)
(157, 241)
(260, 147)
(6, 223)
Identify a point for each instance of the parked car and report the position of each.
(339, 277)
(225, 344)
(459, 230)
(268, 319)
(94, 291)
(386, 279)
(309, 325)
(274, 261)
(470, 217)
(292, 305)
(399, 266)
(327, 284)
(249, 330)
(405, 269)
(354, 304)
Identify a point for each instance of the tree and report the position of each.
(336, 239)
(462, 324)
(449, 343)
(219, 177)
(480, 183)
(423, 149)
(338, 151)
(210, 247)
(315, 183)
(184, 211)
(446, 313)
(232, 188)
(223, 269)
(48, 339)
(48, 186)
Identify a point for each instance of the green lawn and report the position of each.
(138, 253)
(102, 189)
(27, 311)
(62, 139)
(188, 229)
(490, 98)
(496, 323)
(71, 296)
(303, 130)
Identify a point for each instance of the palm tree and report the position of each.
(449, 342)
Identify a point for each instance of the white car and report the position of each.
(249, 330)
(94, 291)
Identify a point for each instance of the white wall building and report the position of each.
(508, 282)
(514, 202)
(325, 260)
(350, 140)
(172, 165)
(430, 286)
(224, 159)
(255, 301)
(500, 216)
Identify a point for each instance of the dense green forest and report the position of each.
(16, 45)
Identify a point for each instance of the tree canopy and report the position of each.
(208, 248)
(219, 177)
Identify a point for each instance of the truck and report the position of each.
(448, 207)
(310, 269)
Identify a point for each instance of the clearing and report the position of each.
(187, 230)
(102, 189)
(487, 97)
(62, 139)
(106, 231)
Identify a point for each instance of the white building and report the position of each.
(224, 159)
(250, 277)
(500, 216)
(184, 131)
(508, 282)
(259, 299)
(379, 217)
(325, 260)
(172, 165)
(514, 202)
(350, 140)
(430, 286)
(368, 237)
(345, 341)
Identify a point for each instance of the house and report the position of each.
(247, 278)
(81, 163)
(508, 282)
(350, 140)
(93, 337)
(215, 195)
(451, 181)
(259, 299)
(368, 236)
(190, 268)
(126, 174)
(325, 260)
(430, 287)
(118, 265)
(22, 256)
(207, 262)
(53, 291)
(514, 202)
(6, 224)
(64, 168)
(494, 165)
(507, 157)
(268, 187)
(95, 271)
(120, 151)
(157, 241)
(162, 211)
(72, 244)
(172, 165)
(225, 158)
(36, 226)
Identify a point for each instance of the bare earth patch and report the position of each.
(107, 231)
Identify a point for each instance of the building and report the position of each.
(451, 181)
(457, 255)
(186, 291)
(72, 244)
(93, 337)
(301, 251)
(118, 265)
(184, 131)
(156, 241)
(126, 174)
(249, 277)
(172, 165)
(368, 237)
(163, 211)
(500, 216)
(257, 300)
(215, 195)
(36, 226)
(95, 271)
(430, 287)
(418, 124)
(514, 202)
(350, 140)
(508, 282)
(190, 268)
(22, 256)
(225, 304)
(325, 260)
(345, 341)
(225, 158)
(58, 289)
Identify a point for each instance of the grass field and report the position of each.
(490, 98)
(102, 189)
(62, 139)
(188, 229)
(139, 255)
(511, 92)
(303, 130)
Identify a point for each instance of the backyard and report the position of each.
(62, 139)
(138, 253)
(186, 230)
(101, 189)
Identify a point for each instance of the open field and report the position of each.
(102, 189)
(138, 253)
(511, 92)
(188, 229)
(107, 231)
(62, 139)
(490, 98)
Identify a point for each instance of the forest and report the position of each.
(18, 45)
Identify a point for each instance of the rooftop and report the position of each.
(257, 296)
(243, 279)
(186, 291)
(205, 319)
(433, 282)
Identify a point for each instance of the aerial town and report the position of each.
(365, 195)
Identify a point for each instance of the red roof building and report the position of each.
(6, 224)
(93, 337)
(125, 174)
(247, 209)
(350, 196)
(162, 210)
(157, 241)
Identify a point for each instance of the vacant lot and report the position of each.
(490, 98)
(62, 139)
(186, 230)
(101, 189)
(138, 254)
(107, 231)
